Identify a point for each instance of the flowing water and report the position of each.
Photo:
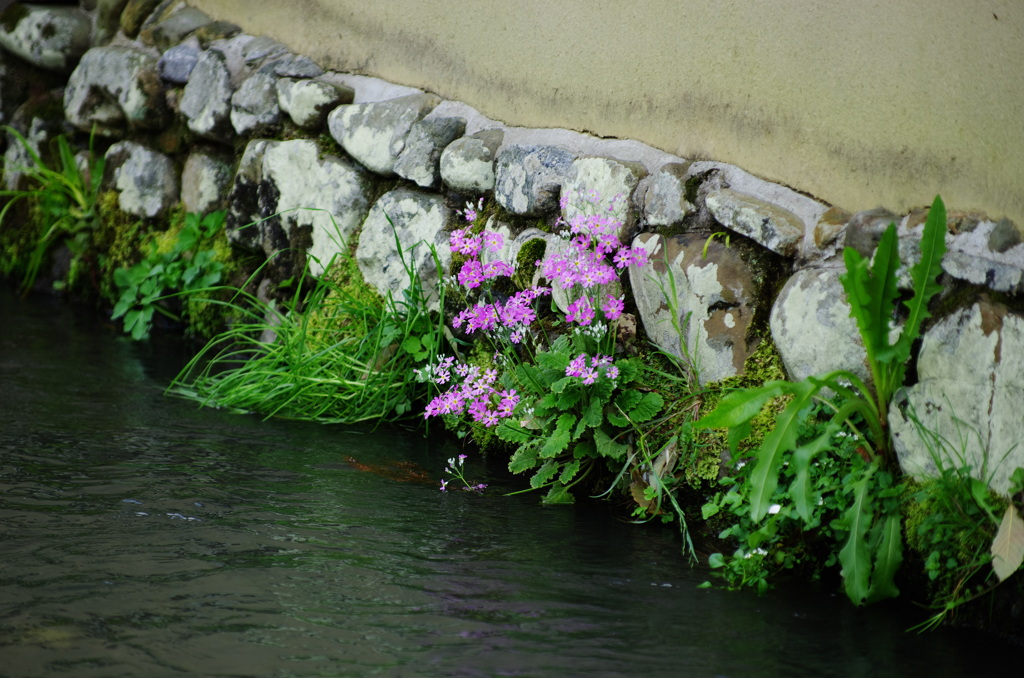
(141, 536)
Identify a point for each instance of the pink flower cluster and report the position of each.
(593, 239)
(476, 394)
(474, 272)
(590, 371)
(516, 314)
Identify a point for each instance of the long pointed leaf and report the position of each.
(924, 274)
(888, 557)
(782, 440)
(855, 556)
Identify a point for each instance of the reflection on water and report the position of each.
(143, 537)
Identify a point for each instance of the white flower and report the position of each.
(774, 508)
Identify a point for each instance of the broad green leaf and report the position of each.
(800, 489)
(855, 556)
(627, 399)
(559, 438)
(545, 473)
(569, 472)
(888, 557)
(593, 416)
(782, 440)
(1008, 546)
(924, 274)
(741, 406)
(560, 385)
(524, 459)
(607, 447)
(648, 406)
(412, 345)
(558, 494)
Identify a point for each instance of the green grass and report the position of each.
(334, 355)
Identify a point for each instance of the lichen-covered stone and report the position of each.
(812, 327)
(176, 64)
(307, 102)
(970, 385)
(115, 89)
(205, 181)
(254, 107)
(296, 196)
(146, 181)
(206, 103)
(603, 185)
(664, 202)
(418, 219)
(705, 319)
(419, 160)
(773, 227)
(37, 133)
(135, 14)
(528, 179)
(54, 38)
(108, 20)
(467, 164)
(375, 133)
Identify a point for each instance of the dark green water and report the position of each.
(140, 536)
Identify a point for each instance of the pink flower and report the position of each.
(613, 307)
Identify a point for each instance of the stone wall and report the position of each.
(194, 111)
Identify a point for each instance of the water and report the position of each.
(140, 536)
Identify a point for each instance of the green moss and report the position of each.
(530, 253)
(119, 240)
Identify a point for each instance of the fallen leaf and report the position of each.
(1008, 546)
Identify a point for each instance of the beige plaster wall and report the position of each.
(860, 104)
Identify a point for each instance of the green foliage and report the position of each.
(188, 265)
(64, 199)
(572, 425)
(873, 546)
(334, 355)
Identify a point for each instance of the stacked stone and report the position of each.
(196, 110)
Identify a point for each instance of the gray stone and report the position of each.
(703, 316)
(260, 49)
(528, 179)
(146, 181)
(37, 133)
(176, 27)
(419, 160)
(308, 102)
(254, 107)
(115, 89)
(603, 185)
(665, 202)
(812, 327)
(1004, 236)
(293, 66)
(418, 219)
(205, 181)
(375, 133)
(176, 64)
(970, 386)
(773, 227)
(986, 271)
(206, 103)
(54, 38)
(865, 229)
(467, 164)
(298, 198)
